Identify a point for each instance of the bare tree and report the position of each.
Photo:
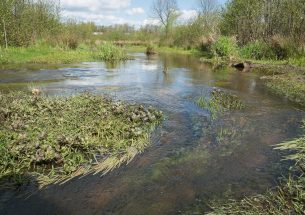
(209, 14)
(208, 6)
(167, 13)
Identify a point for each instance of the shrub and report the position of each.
(224, 47)
(110, 52)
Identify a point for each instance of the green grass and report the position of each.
(50, 139)
(44, 54)
(220, 101)
(290, 85)
(109, 52)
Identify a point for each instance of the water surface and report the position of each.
(192, 158)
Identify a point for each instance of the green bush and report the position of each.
(224, 47)
(257, 50)
(110, 52)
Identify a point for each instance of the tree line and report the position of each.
(276, 23)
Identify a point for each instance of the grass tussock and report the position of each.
(220, 101)
(110, 52)
(287, 198)
(56, 139)
(289, 85)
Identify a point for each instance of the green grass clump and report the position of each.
(220, 101)
(52, 139)
(110, 52)
(287, 198)
(257, 50)
(290, 85)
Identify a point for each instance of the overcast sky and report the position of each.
(108, 12)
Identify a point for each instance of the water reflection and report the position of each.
(191, 157)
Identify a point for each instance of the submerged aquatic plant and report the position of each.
(220, 101)
(287, 198)
(55, 139)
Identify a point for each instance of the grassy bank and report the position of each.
(43, 55)
(164, 49)
(46, 54)
(55, 139)
(290, 85)
(278, 51)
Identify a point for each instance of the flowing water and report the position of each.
(192, 159)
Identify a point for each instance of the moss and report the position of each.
(55, 139)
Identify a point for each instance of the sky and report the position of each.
(110, 12)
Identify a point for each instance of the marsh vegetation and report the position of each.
(56, 139)
(219, 102)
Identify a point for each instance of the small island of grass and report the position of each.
(54, 139)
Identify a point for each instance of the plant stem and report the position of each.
(5, 34)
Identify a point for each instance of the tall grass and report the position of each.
(110, 52)
(256, 50)
(224, 47)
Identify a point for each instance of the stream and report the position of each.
(192, 160)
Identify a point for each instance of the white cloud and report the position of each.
(187, 14)
(108, 12)
(102, 12)
(136, 10)
(94, 5)
(151, 21)
(93, 17)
